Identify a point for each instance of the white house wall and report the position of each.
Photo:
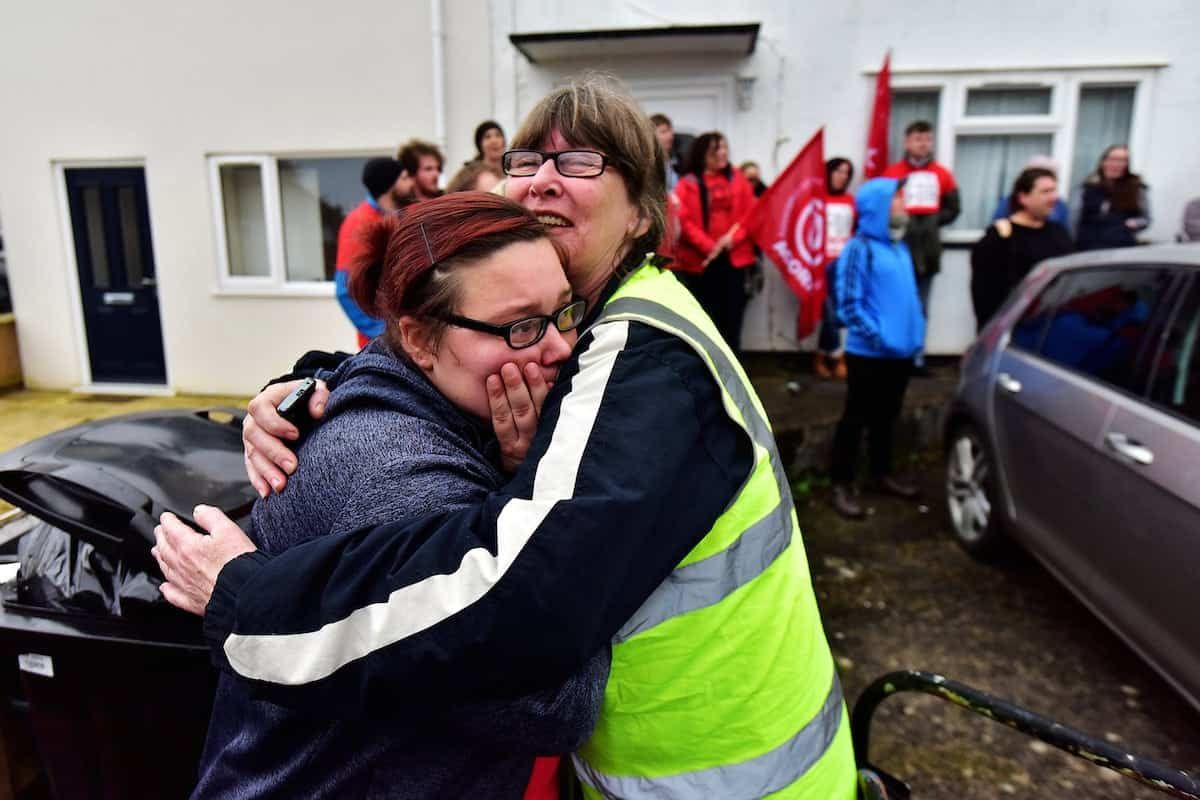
(167, 85)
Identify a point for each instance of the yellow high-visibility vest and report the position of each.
(722, 684)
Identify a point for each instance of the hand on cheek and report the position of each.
(515, 396)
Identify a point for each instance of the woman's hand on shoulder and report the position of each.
(516, 400)
(191, 561)
(268, 460)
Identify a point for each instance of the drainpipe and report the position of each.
(439, 74)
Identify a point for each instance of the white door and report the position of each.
(706, 104)
(694, 106)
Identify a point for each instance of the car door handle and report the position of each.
(1008, 383)
(1134, 451)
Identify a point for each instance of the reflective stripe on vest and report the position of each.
(757, 777)
(749, 540)
(709, 581)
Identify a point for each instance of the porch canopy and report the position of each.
(712, 40)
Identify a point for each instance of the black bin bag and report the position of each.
(118, 683)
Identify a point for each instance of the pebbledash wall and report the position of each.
(173, 88)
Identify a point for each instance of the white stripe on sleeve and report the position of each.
(299, 658)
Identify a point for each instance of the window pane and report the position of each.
(93, 212)
(985, 168)
(1176, 384)
(1105, 117)
(1101, 326)
(909, 106)
(1027, 333)
(1003, 102)
(131, 237)
(316, 195)
(245, 220)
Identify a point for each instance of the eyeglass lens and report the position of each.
(571, 163)
(530, 331)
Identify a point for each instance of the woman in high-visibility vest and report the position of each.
(651, 514)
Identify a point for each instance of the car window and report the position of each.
(1175, 385)
(1027, 333)
(1098, 322)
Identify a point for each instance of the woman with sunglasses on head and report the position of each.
(465, 284)
(651, 512)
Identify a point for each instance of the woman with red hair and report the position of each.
(465, 284)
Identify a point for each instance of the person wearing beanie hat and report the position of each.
(380, 175)
(389, 189)
(489, 143)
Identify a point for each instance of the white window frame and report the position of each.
(1064, 84)
(275, 283)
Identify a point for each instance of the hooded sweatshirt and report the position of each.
(390, 446)
(876, 288)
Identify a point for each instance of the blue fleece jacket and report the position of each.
(876, 286)
(390, 447)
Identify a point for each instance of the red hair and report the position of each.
(410, 261)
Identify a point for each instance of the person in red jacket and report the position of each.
(389, 188)
(713, 249)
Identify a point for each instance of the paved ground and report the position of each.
(896, 592)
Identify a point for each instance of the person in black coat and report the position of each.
(1014, 245)
(1113, 204)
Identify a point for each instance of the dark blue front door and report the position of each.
(111, 224)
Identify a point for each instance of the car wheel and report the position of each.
(971, 500)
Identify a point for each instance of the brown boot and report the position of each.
(821, 367)
(839, 368)
(844, 502)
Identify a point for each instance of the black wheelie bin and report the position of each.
(117, 684)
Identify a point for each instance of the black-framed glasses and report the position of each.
(528, 331)
(569, 163)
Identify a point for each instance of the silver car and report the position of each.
(1075, 431)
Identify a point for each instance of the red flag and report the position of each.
(788, 223)
(877, 140)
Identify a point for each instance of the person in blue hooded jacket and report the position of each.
(877, 300)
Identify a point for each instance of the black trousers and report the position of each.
(721, 290)
(874, 397)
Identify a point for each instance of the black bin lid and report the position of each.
(108, 480)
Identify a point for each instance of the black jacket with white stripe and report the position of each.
(634, 460)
